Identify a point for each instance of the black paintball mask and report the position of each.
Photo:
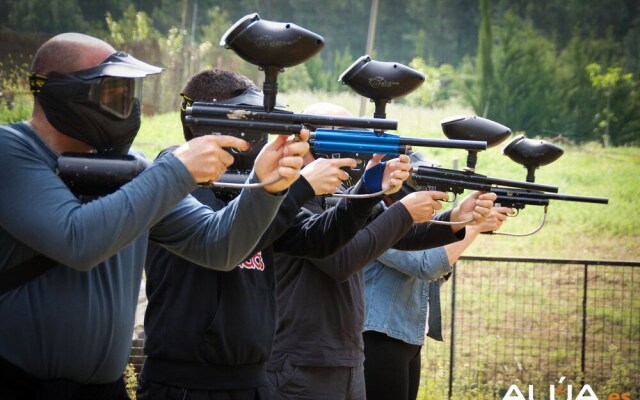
(99, 106)
(250, 97)
(243, 161)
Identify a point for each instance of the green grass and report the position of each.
(572, 230)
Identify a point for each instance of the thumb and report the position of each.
(279, 142)
(375, 160)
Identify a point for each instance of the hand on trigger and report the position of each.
(281, 158)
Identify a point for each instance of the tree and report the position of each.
(485, 64)
(434, 91)
(575, 92)
(134, 25)
(606, 83)
(524, 94)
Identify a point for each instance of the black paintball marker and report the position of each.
(532, 154)
(272, 46)
(454, 181)
(357, 138)
(380, 82)
(91, 174)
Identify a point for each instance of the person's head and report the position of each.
(213, 85)
(223, 88)
(329, 109)
(86, 90)
(326, 109)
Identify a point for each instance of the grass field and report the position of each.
(572, 230)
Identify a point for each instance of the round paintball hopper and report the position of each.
(381, 81)
(532, 153)
(272, 46)
(474, 128)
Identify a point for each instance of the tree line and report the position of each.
(547, 68)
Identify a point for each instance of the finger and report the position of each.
(394, 184)
(291, 162)
(484, 203)
(225, 158)
(304, 135)
(344, 162)
(503, 210)
(488, 196)
(482, 211)
(375, 160)
(230, 141)
(278, 142)
(400, 175)
(400, 165)
(290, 174)
(437, 195)
(296, 149)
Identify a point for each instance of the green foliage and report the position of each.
(342, 61)
(523, 63)
(15, 97)
(131, 381)
(134, 25)
(211, 33)
(294, 78)
(624, 374)
(320, 78)
(608, 83)
(325, 78)
(485, 64)
(434, 92)
(524, 89)
(63, 15)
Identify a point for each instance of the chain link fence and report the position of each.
(548, 326)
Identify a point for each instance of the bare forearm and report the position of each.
(455, 249)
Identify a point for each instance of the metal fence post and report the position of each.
(583, 347)
(452, 338)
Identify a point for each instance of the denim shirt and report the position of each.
(397, 291)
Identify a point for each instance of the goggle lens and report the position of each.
(116, 95)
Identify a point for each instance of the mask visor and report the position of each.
(116, 96)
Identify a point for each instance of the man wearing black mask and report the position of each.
(70, 268)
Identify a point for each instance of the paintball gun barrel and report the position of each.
(447, 180)
(225, 118)
(517, 199)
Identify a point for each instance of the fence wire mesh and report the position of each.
(536, 322)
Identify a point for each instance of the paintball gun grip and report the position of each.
(98, 175)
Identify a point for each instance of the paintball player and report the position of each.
(71, 266)
(209, 333)
(318, 348)
(402, 291)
